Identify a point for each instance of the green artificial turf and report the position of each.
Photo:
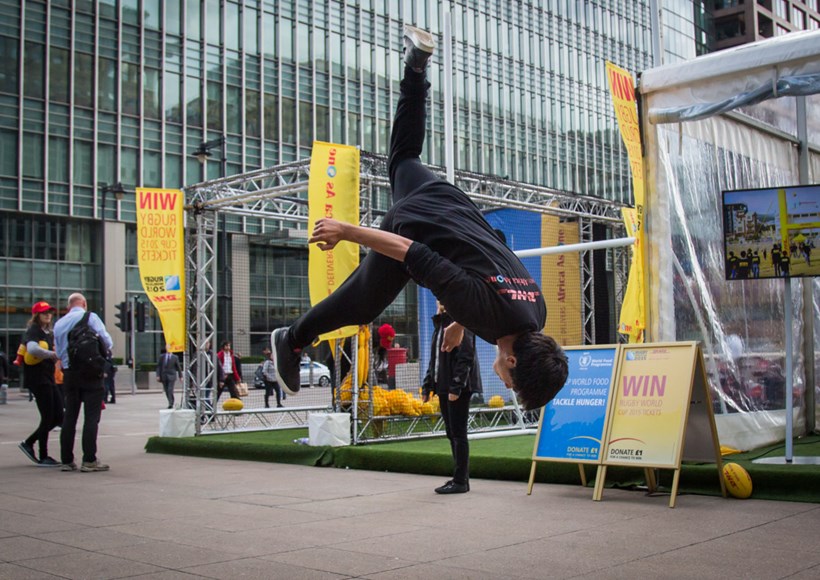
(271, 446)
(505, 458)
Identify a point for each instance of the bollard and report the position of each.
(4, 393)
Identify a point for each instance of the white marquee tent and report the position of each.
(744, 118)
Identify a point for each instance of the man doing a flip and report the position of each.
(433, 234)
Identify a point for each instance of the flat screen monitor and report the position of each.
(772, 232)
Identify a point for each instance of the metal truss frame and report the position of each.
(199, 361)
(261, 419)
(279, 195)
(480, 420)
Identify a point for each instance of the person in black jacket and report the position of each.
(435, 235)
(453, 376)
(39, 364)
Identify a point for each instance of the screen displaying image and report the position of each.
(771, 233)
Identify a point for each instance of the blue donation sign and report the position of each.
(572, 424)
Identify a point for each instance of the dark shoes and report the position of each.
(285, 361)
(48, 462)
(28, 450)
(453, 487)
(418, 47)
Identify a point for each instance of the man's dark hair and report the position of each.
(224, 344)
(540, 371)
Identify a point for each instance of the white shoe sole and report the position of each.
(421, 39)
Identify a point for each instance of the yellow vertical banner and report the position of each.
(333, 192)
(161, 258)
(622, 89)
(632, 309)
(561, 281)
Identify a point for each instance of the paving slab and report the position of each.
(165, 517)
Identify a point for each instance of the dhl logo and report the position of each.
(166, 298)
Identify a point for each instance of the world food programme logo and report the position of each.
(171, 283)
(585, 360)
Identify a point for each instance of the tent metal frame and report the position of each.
(274, 200)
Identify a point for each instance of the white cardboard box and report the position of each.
(177, 423)
(331, 429)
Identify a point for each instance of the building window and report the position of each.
(781, 9)
(35, 71)
(799, 19)
(59, 74)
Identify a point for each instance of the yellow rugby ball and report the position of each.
(30, 359)
(496, 402)
(233, 405)
(738, 481)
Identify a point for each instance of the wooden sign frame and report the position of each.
(585, 392)
(661, 412)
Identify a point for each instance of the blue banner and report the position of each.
(572, 424)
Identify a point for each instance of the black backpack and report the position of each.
(259, 378)
(86, 352)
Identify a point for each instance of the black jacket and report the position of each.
(457, 369)
(460, 258)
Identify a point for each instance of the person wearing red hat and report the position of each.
(39, 379)
(386, 336)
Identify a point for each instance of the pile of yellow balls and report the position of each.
(389, 402)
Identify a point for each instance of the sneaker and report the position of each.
(89, 466)
(453, 487)
(418, 47)
(68, 467)
(48, 462)
(28, 450)
(285, 361)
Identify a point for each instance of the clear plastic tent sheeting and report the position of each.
(693, 154)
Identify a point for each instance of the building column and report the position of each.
(114, 283)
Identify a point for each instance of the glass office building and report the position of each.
(95, 92)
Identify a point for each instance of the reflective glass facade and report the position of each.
(99, 91)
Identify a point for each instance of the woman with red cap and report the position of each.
(39, 363)
(386, 336)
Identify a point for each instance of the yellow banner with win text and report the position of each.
(633, 311)
(161, 258)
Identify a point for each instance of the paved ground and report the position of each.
(157, 516)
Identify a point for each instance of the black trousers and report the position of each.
(230, 384)
(88, 394)
(110, 390)
(168, 387)
(50, 403)
(376, 283)
(271, 388)
(455, 415)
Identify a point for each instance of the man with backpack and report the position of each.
(82, 343)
